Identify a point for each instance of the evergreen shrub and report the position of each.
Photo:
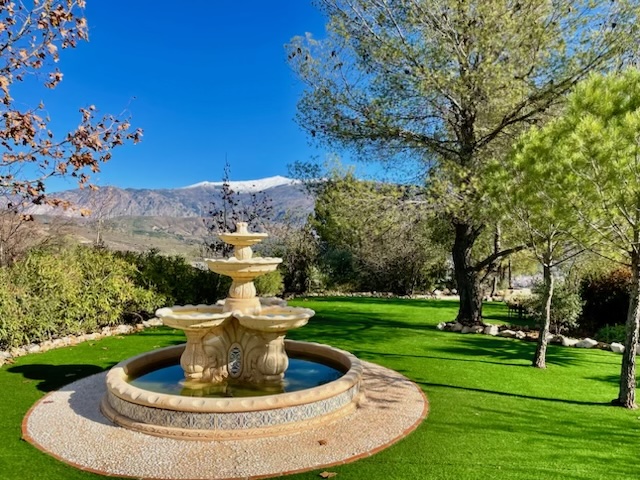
(606, 299)
(176, 279)
(73, 290)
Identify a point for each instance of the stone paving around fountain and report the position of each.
(68, 425)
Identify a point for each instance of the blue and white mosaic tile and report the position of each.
(232, 420)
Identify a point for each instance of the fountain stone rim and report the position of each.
(117, 383)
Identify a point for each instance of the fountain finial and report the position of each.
(242, 227)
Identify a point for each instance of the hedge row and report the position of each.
(70, 291)
(73, 290)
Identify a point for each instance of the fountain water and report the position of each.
(239, 341)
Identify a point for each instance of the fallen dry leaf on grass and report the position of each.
(328, 474)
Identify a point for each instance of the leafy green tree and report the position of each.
(593, 151)
(297, 245)
(377, 236)
(528, 186)
(450, 84)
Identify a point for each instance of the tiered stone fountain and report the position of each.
(239, 341)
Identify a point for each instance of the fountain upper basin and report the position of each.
(245, 239)
(193, 316)
(243, 269)
(275, 319)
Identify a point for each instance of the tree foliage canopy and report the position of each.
(379, 237)
(445, 76)
(451, 84)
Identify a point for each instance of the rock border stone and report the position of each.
(530, 335)
(7, 356)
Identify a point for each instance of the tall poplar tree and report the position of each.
(450, 84)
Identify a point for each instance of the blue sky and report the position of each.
(203, 79)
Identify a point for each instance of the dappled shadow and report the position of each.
(612, 379)
(400, 302)
(371, 356)
(508, 394)
(355, 326)
(509, 350)
(385, 390)
(54, 377)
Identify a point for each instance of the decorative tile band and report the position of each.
(234, 420)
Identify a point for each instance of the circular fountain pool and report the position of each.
(219, 416)
(302, 373)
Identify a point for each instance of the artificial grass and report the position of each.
(491, 414)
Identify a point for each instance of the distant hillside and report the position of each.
(286, 195)
(169, 220)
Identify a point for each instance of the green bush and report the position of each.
(606, 299)
(611, 333)
(176, 279)
(566, 307)
(270, 284)
(51, 293)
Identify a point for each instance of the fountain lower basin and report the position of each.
(219, 418)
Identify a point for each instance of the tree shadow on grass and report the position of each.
(400, 302)
(54, 377)
(509, 394)
(371, 356)
(355, 326)
(509, 350)
(612, 379)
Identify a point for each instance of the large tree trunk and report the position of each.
(468, 283)
(539, 360)
(627, 394)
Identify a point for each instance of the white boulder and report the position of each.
(507, 333)
(466, 329)
(477, 329)
(457, 327)
(441, 326)
(491, 330)
(617, 347)
(520, 335)
(155, 322)
(123, 329)
(586, 343)
(569, 342)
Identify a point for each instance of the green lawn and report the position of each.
(491, 415)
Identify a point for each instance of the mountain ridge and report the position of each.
(286, 195)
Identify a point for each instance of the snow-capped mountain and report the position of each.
(249, 186)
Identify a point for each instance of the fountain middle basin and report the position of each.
(219, 418)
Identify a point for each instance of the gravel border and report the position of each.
(68, 425)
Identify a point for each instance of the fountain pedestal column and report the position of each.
(242, 297)
(194, 360)
(265, 358)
